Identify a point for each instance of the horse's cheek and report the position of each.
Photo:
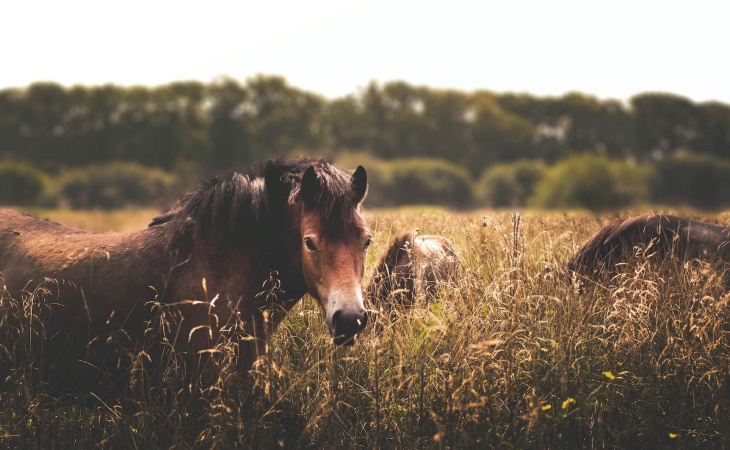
(311, 268)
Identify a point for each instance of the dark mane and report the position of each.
(240, 202)
(336, 198)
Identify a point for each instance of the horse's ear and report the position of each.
(309, 187)
(360, 183)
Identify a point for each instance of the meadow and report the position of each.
(515, 354)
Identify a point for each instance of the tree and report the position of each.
(40, 113)
(714, 129)
(279, 118)
(497, 135)
(229, 138)
(664, 124)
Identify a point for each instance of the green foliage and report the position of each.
(498, 135)
(593, 182)
(425, 181)
(510, 184)
(665, 123)
(20, 183)
(228, 123)
(112, 185)
(698, 180)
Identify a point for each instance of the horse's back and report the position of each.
(686, 238)
(436, 258)
(413, 267)
(707, 241)
(21, 235)
(659, 234)
(31, 247)
(436, 263)
(103, 270)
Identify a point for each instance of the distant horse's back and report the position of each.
(413, 267)
(434, 261)
(660, 235)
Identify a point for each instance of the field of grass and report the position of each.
(512, 355)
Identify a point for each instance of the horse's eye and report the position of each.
(368, 241)
(309, 243)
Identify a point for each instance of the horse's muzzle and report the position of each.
(346, 324)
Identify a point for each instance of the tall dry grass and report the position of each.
(513, 354)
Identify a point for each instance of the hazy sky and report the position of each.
(611, 49)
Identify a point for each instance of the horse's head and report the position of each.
(334, 239)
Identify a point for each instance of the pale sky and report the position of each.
(610, 49)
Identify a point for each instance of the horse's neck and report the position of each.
(257, 272)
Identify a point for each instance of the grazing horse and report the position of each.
(664, 235)
(229, 260)
(413, 266)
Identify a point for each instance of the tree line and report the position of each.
(226, 124)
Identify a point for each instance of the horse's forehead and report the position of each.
(335, 227)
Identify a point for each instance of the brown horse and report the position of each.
(229, 260)
(664, 235)
(412, 267)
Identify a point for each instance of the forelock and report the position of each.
(335, 197)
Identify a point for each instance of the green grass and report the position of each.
(508, 356)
